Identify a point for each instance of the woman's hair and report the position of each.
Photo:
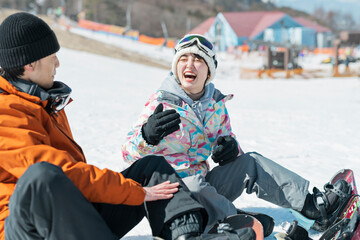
(12, 72)
(198, 56)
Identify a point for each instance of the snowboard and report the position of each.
(345, 224)
(356, 235)
(240, 221)
(346, 227)
(342, 230)
(347, 175)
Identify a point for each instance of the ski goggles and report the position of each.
(202, 43)
(59, 96)
(59, 102)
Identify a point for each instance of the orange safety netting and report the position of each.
(121, 30)
(93, 25)
(156, 41)
(323, 51)
(106, 28)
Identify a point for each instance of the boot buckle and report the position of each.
(224, 227)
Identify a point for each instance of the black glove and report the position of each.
(226, 151)
(160, 124)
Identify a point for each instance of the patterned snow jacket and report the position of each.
(29, 134)
(202, 122)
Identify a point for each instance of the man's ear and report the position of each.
(29, 67)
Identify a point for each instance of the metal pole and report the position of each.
(286, 61)
(165, 32)
(128, 17)
(336, 60)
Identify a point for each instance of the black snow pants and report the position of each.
(47, 205)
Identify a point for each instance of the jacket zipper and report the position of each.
(58, 127)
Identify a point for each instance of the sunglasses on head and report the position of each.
(202, 43)
(59, 102)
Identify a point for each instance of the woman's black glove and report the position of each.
(226, 151)
(160, 124)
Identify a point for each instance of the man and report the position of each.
(47, 190)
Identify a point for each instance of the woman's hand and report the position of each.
(160, 124)
(161, 191)
(226, 151)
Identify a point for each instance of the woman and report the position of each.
(195, 125)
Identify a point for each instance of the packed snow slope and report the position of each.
(310, 126)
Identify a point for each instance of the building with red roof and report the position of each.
(232, 29)
(310, 24)
(324, 36)
(204, 27)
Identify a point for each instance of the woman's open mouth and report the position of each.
(189, 77)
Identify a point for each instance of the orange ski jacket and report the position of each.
(29, 134)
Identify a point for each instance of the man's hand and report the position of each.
(161, 191)
(226, 151)
(160, 124)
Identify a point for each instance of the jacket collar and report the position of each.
(6, 86)
(49, 99)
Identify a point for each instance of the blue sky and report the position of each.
(344, 6)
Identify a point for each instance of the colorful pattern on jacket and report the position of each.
(187, 149)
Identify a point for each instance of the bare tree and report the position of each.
(335, 20)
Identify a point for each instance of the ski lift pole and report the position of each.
(286, 62)
(164, 29)
(337, 43)
(128, 17)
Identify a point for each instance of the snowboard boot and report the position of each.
(325, 207)
(266, 221)
(190, 226)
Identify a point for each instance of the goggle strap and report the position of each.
(198, 44)
(199, 38)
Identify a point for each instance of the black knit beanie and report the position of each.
(25, 38)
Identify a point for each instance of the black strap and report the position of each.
(337, 190)
(321, 203)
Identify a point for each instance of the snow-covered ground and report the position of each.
(311, 126)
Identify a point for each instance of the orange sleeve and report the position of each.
(28, 135)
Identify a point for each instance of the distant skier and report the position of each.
(186, 121)
(47, 190)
